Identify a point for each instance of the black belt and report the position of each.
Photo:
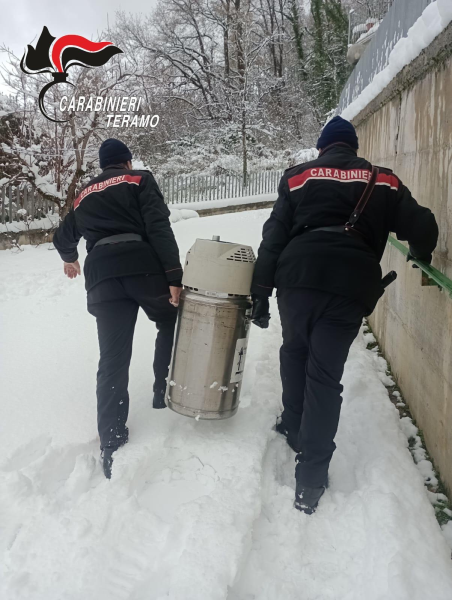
(351, 231)
(387, 279)
(119, 238)
(337, 228)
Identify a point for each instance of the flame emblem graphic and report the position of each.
(57, 55)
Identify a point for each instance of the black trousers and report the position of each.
(115, 303)
(318, 330)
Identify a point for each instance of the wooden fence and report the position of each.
(22, 203)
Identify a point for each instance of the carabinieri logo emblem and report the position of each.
(56, 55)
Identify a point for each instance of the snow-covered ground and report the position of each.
(194, 510)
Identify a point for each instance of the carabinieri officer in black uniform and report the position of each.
(133, 261)
(323, 255)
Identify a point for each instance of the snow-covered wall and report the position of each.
(395, 25)
(409, 128)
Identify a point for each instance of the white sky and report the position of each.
(21, 21)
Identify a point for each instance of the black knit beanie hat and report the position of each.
(338, 130)
(113, 152)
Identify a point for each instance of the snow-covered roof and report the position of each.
(408, 28)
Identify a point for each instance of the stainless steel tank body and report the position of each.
(209, 357)
(212, 331)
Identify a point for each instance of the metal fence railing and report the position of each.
(23, 203)
(430, 275)
(199, 188)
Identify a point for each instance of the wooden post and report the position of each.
(10, 203)
(17, 202)
(3, 202)
(32, 208)
(25, 202)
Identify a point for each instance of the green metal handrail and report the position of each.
(430, 275)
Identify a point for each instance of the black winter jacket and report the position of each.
(120, 201)
(322, 193)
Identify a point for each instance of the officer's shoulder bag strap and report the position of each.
(363, 200)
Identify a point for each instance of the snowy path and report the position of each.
(194, 510)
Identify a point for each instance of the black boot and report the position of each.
(291, 439)
(106, 454)
(107, 460)
(159, 399)
(307, 498)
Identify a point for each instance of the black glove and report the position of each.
(426, 259)
(261, 310)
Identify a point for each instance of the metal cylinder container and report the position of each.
(212, 331)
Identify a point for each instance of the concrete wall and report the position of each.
(409, 129)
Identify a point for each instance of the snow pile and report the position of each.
(50, 221)
(182, 214)
(425, 466)
(435, 18)
(195, 510)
